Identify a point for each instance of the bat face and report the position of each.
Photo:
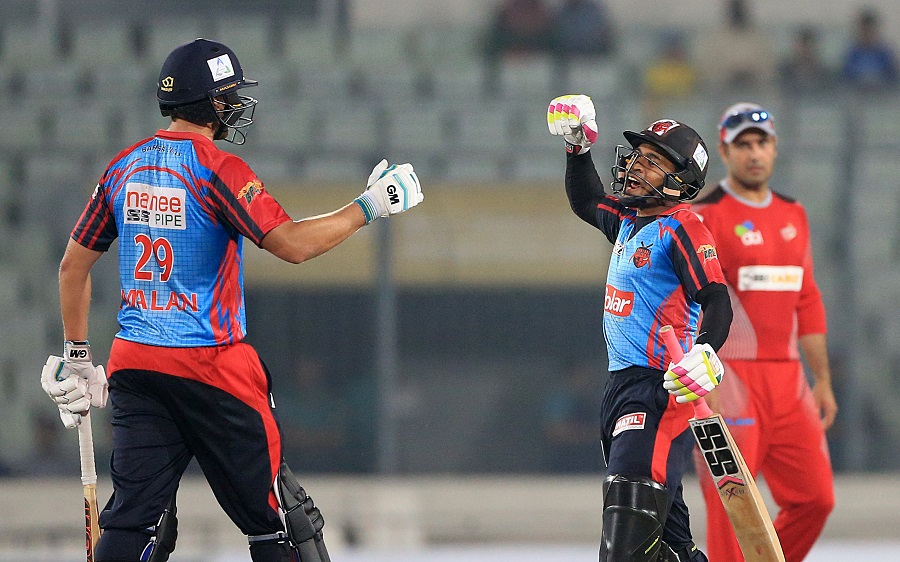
(737, 490)
(710, 436)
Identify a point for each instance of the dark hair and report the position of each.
(199, 112)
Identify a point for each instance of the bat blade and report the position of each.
(738, 491)
(89, 484)
(734, 483)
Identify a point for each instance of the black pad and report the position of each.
(163, 543)
(302, 519)
(634, 512)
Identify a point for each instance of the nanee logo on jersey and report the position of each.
(629, 421)
(707, 252)
(641, 256)
(748, 235)
(249, 191)
(770, 278)
(159, 207)
(616, 302)
(618, 248)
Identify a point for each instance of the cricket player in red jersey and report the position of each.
(182, 382)
(777, 419)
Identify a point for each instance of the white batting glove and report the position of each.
(573, 117)
(391, 189)
(698, 373)
(74, 383)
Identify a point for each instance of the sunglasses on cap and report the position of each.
(753, 116)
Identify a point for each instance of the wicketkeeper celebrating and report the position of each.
(182, 383)
(663, 271)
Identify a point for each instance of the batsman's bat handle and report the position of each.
(701, 409)
(670, 341)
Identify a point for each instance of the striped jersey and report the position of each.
(180, 208)
(767, 259)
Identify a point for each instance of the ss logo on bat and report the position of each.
(715, 448)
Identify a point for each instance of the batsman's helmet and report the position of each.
(681, 145)
(204, 69)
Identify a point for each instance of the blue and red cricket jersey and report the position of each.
(180, 208)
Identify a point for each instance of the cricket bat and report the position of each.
(737, 489)
(89, 483)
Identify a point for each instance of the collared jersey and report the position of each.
(767, 259)
(180, 208)
(655, 273)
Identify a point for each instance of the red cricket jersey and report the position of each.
(766, 256)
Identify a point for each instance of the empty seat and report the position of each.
(29, 45)
(104, 42)
(417, 125)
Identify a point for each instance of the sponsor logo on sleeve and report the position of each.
(249, 191)
(770, 278)
(707, 252)
(629, 421)
(618, 303)
(159, 207)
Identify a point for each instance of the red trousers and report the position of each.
(769, 408)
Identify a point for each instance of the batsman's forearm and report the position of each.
(75, 301)
(75, 289)
(302, 240)
(583, 187)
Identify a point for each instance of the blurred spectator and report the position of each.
(314, 419)
(870, 62)
(572, 420)
(803, 70)
(737, 57)
(518, 28)
(671, 76)
(583, 28)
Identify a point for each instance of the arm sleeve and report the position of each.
(694, 256)
(587, 197)
(810, 308)
(96, 229)
(240, 200)
(717, 314)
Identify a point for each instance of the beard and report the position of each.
(640, 201)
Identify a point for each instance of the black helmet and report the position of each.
(204, 69)
(682, 146)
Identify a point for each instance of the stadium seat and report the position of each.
(417, 125)
(29, 45)
(103, 43)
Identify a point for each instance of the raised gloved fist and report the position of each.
(391, 189)
(74, 383)
(698, 373)
(573, 117)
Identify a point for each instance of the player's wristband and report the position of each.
(368, 206)
(77, 350)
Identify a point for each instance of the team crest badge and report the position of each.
(641, 256)
(662, 126)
